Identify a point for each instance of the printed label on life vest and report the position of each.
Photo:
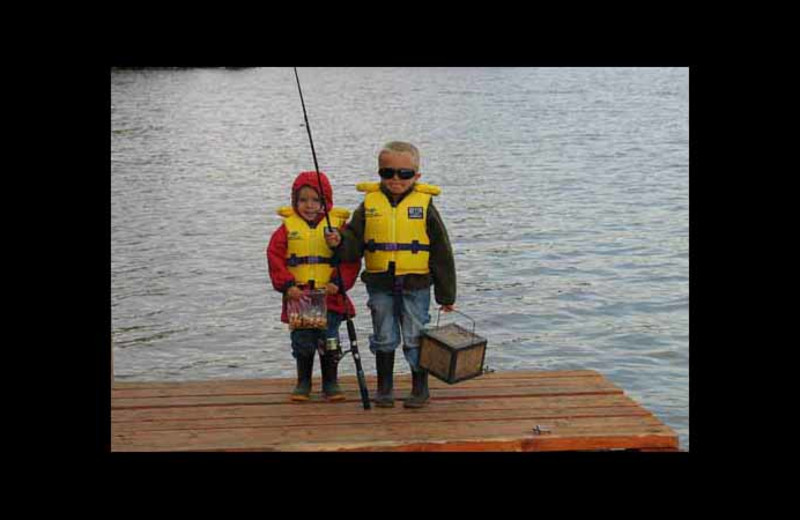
(415, 212)
(294, 235)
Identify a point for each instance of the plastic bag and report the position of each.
(309, 311)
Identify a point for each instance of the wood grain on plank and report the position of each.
(578, 410)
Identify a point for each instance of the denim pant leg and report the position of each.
(415, 316)
(385, 335)
(304, 342)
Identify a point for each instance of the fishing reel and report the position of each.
(332, 346)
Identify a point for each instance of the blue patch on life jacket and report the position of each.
(415, 212)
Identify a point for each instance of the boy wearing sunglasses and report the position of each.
(406, 249)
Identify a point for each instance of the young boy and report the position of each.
(406, 250)
(298, 258)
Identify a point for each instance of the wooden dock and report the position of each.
(573, 410)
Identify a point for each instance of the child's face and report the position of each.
(308, 203)
(397, 160)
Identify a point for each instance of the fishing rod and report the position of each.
(351, 329)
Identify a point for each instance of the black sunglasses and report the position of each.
(403, 173)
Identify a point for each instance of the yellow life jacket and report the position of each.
(308, 255)
(397, 234)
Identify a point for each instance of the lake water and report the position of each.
(565, 192)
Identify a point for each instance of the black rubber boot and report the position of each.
(384, 361)
(419, 390)
(305, 365)
(330, 385)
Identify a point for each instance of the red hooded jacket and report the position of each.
(279, 273)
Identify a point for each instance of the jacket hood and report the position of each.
(310, 179)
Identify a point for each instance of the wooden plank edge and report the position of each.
(400, 385)
(503, 374)
(320, 407)
(126, 405)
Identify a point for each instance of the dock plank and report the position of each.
(401, 382)
(324, 420)
(408, 436)
(456, 393)
(528, 375)
(221, 395)
(579, 410)
(436, 406)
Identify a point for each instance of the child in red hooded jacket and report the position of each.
(298, 259)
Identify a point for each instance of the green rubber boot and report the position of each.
(330, 385)
(419, 395)
(384, 362)
(305, 365)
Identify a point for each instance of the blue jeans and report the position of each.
(305, 341)
(387, 327)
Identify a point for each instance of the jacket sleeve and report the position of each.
(352, 247)
(349, 269)
(279, 273)
(441, 262)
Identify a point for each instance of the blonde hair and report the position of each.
(401, 147)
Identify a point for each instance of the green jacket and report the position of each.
(442, 266)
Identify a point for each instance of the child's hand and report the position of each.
(448, 308)
(331, 288)
(333, 238)
(294, 293)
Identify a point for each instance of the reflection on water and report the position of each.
(565, 193)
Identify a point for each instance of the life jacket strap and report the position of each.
(294, 260)
(415, 247)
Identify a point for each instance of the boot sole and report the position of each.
(337, 397)
(299, 398)
(415, 404)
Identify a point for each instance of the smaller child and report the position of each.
(299, 259)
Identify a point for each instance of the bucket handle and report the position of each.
(439, 315)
